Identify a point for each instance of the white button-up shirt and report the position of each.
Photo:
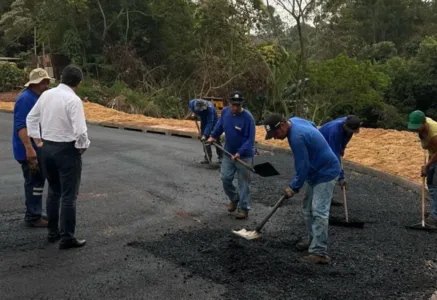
(60, 115)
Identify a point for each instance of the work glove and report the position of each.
(288, 192)
(342, 183)
(203, 139)
(424, 171)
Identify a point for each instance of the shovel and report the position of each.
(347, 223)
(264, 170)
(203, 145)
(250, 235)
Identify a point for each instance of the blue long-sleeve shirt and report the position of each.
(337, 138)
(239, 131)
(23, 105)
(314, 160)
(208, 118)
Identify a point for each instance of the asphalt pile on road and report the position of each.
(261, 268)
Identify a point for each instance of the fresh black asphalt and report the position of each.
(156, 226)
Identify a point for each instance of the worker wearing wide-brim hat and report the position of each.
(26, 150)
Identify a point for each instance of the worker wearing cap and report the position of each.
(239, 127)
(427, 130)
(58, 117)
(315, 164)
(26, 150)
(338, 134)
(208, 119)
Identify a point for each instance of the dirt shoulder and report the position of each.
(395, 152)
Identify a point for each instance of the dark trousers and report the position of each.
(62, 166)
(33, 189)
(209, 150)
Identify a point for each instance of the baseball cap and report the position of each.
(352, 124)
(271, 123)
(200, 105)
(416, 119)
(236, 97)
(36, 76)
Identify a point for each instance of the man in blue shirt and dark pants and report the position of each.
(316, 165)
(208, 119)
(338, 133)
(26, 150)
(239, 127)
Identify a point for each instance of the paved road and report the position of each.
(157, 228)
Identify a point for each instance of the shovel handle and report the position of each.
(239, 160)
(423, 191)
(261, 225)
(345, 205)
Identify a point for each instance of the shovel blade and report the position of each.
(265, 170)
(419, 226)
(336, 222)
(248, 235)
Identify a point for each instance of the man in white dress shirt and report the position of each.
(60, 116)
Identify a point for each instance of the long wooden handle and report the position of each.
(423, 192)
(197, 125)
(239, 160)
(263, 222)
(345, 205)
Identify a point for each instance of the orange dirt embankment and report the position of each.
(395, 152)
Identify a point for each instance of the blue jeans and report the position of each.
(431, 181)
(316, 208)
(33, 190)
(228, 169)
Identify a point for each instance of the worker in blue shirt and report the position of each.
(26, 150)
(239, 127)
(208, 119)
(316, 165)
(338, 133)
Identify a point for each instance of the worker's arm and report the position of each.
(218, 129)
(247, 148)
(336, 141)
(301, 164)
(209, 122)
(33, 120)
(77, 118)
(432, 145)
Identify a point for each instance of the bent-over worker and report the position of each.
(239, 127)
(208, 119)
(64, 133)
(338, 134)
(315, 164)
(427, 131)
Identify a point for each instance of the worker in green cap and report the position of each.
(427, 130)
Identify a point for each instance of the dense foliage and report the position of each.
(321, 60)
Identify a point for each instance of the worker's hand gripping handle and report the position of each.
(239, 160)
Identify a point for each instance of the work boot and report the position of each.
(302, 246)
(431, 221)
(205, 161)
(315, 259)
(37, 223)
(232, 206)
(242, 214)
(336, 202)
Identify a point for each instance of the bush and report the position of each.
(92, 90)
(11, 77)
